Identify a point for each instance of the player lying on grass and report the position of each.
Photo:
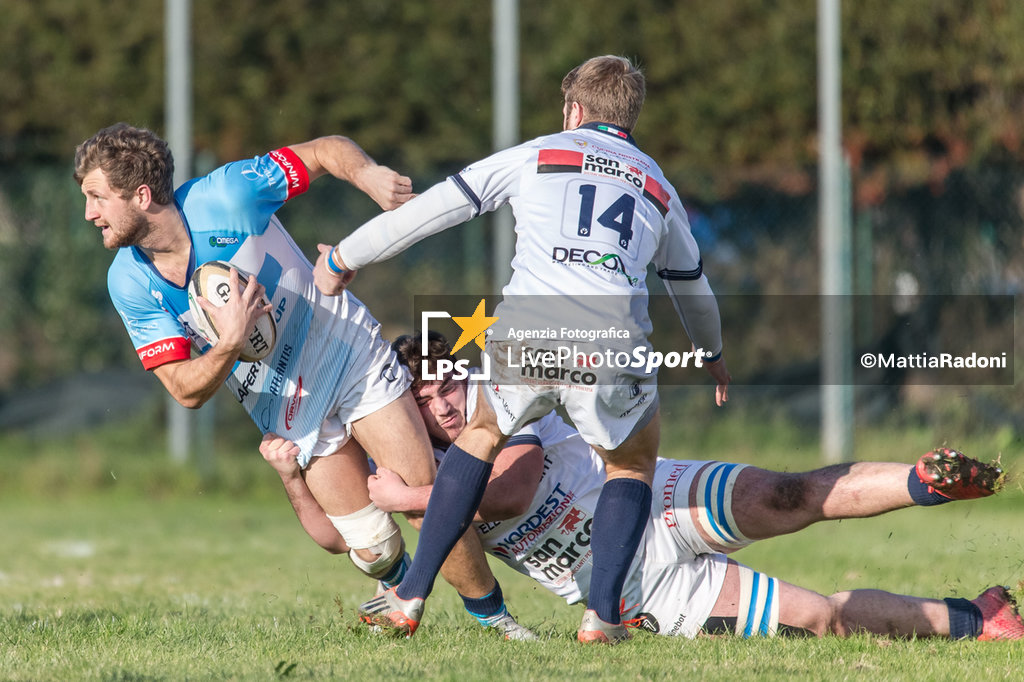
(331, 382)
(537, 514)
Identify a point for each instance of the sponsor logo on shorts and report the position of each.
(668, 493)
(678, 625)
(646, 621)
(390, 373)
(638, 403)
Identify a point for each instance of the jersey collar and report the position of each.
(609, 129)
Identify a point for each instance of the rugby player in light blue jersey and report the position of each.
(331, 383)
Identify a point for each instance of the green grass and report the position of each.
(116, 565)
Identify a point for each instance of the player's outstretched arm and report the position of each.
(281, 454)
(345, 160)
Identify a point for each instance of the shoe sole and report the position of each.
(941, 469)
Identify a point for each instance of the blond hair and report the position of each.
(609, 88)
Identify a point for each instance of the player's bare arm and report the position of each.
(510, 489)
(345, 160)
(281, 454)
(193, 382)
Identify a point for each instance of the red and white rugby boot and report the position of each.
(390, 612)
(954, 475)
(999, 614)
(593, 630)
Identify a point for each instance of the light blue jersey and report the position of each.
(329, 361)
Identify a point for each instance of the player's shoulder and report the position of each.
(127, 273)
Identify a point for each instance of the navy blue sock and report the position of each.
(965, 620)
(919, 492)
(459, 487)
(491, 604)
(619, 522)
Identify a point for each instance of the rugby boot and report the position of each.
(505, 624)
(954, 475)
(999, 614)
(391, 613)
(593, 630)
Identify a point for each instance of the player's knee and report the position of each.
(833, 621)
(375, 531)
(484, 430)
(390, 552)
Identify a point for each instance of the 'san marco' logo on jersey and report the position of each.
(558, 560)
(568, 161)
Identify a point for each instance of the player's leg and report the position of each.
(775, 503)
(338, 483)
(769, 503)
(752, 604)
(457, 491)
(620, 518)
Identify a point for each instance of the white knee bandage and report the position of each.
(370, 528)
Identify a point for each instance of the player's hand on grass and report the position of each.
(720, 374)
(235, 319)
(326, 280)
(281, 454)
(387, 490)
(385, 186)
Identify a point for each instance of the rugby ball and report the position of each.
(212, 281)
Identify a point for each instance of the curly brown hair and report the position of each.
(129, 157)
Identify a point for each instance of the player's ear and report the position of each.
(143, 195)
(575, 115)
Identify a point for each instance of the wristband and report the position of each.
(331, 265)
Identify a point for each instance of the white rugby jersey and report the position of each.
(550, 542)
(592, 211)
(673, 580)
(229, 215)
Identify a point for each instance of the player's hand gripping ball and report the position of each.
(211, 281)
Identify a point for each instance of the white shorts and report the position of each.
(683, 567)
(384, 382)
(605, 407)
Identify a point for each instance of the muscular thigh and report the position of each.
(338, 481)
(395, 437)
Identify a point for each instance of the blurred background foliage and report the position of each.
(933, 127)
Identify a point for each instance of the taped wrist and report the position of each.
(375, 530)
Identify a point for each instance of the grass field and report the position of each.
(135, 571)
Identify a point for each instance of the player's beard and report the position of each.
(130, 233)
